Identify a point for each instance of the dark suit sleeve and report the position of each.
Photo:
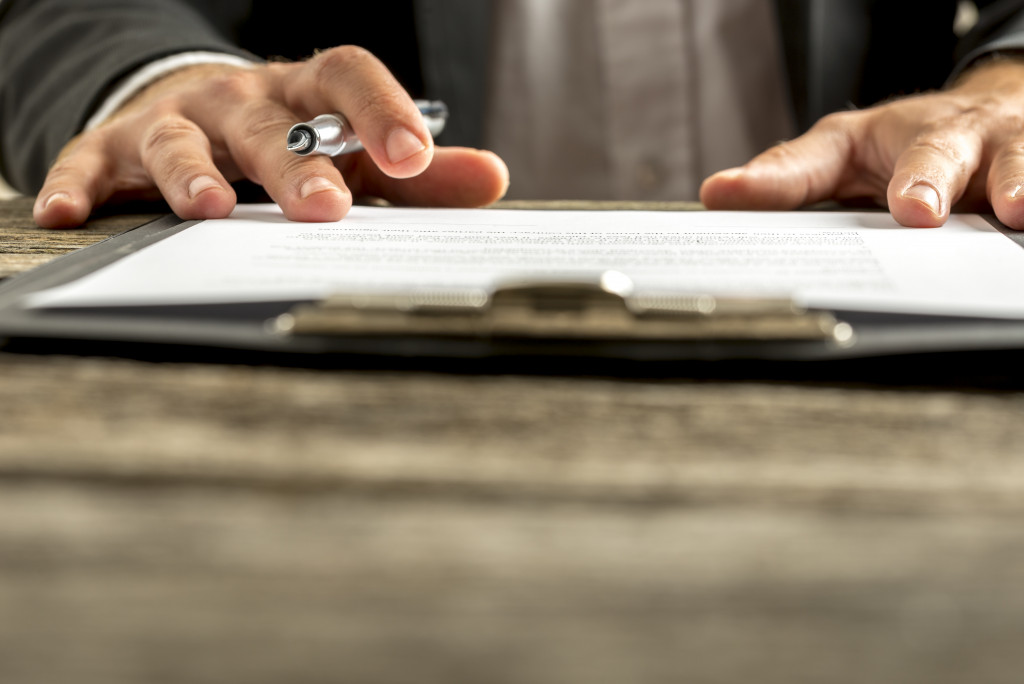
(59, 58)
(1000, 30)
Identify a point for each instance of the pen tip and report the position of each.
(299, 141)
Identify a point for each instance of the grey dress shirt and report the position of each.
(620, 99)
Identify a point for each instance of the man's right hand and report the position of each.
(191, 133)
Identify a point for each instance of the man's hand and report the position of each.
(919, 156)
(188, 135)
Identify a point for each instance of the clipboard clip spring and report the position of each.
(601, 309)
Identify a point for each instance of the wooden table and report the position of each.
(166, 522)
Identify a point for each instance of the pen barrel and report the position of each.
(328, 134)
(331, 134)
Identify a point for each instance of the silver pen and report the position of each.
(331, 134)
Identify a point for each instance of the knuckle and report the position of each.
(78, 158)
(836, 121)
(259, 128)
(177, 167)
(175, 172)
(841, 130)
(846, 128)
(1013, 126)
(238, 85)
(788, 154)
(981, 106)
(346, 56)
(1008, 131)
(262, 120)
(781, 153)
(958, 124)
(944, 146)
(169, 131)
(1013, 150)
(62, 173)
(89, 177)
(331, 65)
(376, 105)
(299, 169)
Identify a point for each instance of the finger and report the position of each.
(352, 81)
(78, 181)
(457, 177)
(931, 175)
(176, 155)
(1005, 185)
(802, 171)
(307, 188)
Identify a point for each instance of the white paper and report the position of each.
(836, 260)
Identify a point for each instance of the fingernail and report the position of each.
(1016, 192)
(316, 184)
(201, 184)
(402, 144)
(925, 194)
(57, 196)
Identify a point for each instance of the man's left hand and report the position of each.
(920, 156)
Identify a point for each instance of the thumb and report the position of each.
(802, 171)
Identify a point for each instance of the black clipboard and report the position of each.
(567, 320)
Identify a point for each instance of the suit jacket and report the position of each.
(60, 58)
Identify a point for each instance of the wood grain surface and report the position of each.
(24, 245)
(175, 522)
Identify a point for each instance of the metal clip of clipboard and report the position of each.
(603, 309)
